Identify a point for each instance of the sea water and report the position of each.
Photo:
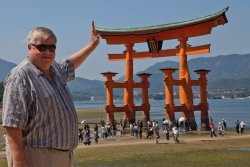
(228, 109)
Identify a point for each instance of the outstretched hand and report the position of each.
(94, 36)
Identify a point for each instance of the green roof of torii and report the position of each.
(158, 28)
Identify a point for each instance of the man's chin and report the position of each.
(48, 60)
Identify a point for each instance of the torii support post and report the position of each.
(203, 98)
(169, 103)
(128, 91)
(145, 99)
(185, 91)
(109, 84)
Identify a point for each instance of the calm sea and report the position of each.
(228, 109)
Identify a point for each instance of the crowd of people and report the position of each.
(222, 126)
(239, 126)
(151, 130)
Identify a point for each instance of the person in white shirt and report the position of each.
(175, 132)
(242, 126)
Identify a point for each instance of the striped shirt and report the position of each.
(41, 107)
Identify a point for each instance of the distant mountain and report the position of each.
(77, 86)
(5, 68)
(232, 66)
(227, 71)
(91, 87)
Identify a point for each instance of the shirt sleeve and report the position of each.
(16, 102)
(68, 70)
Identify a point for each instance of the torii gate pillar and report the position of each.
(203, 98)
(109, 83)
(145, 99)
(185, 91)
(128, 91)
(169, 103)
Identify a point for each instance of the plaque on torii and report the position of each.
(154, 36)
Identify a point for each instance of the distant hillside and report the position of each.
(91, 87)
(227, 72)
(5, 67)
(230, 84)
(230, 71)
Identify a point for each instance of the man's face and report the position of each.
(42, 54)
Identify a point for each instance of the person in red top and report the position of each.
(212, 128)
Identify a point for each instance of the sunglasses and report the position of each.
(43, 48)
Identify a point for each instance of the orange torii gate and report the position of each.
(154, 37)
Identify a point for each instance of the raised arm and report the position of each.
(78, 57)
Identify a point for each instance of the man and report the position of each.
(224, 123)
(38, 112)
(237, 126)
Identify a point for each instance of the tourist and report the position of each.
(108, 127)
(131, 127)
(135, 129)
(140, 126)
(224, 123)
(80, 135)
(121, 129)
(175, 132)
(96, 128)
(177, 124)
(87, 140)
(165, 128)
(181, 128)
(156, 132)
(212, 128)
(114, 128)
(242, 126)
(104, 132)
(187, 125)
(237, 126)
(150, 131)
(220, 129)
(87, 130)
(38, 111)
(96, 135)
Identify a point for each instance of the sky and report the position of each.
(71, 22)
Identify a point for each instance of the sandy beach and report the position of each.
(188, 142)
(131, 151)
(190, 138)
(185, 138)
